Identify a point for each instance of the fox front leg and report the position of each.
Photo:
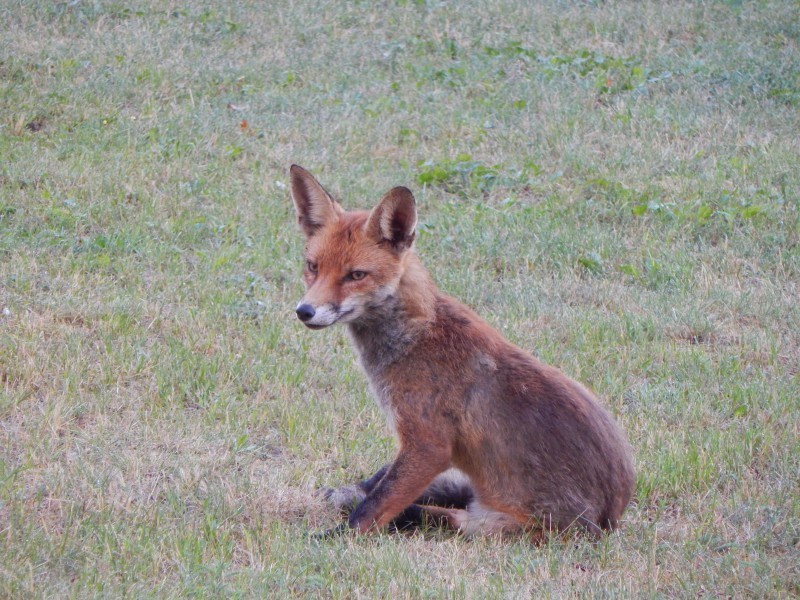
(404, 481)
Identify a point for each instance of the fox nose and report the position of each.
(305, 312)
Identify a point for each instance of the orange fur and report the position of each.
(530, 447)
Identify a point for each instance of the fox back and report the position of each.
(490, 439)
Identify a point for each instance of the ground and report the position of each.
(613, 185)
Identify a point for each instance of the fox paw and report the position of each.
(344, 498)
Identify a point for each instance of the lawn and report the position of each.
(613, 185)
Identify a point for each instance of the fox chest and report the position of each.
(382, 393)
(379, 355)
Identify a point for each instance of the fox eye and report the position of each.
(311, 266)
(357, 275)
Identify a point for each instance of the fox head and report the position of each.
(354, 259)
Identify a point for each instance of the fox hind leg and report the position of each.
(476, 518)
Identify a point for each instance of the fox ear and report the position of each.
(314, 206)
(394, 219)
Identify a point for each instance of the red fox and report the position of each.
(490, 439)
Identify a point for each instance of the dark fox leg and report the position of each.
(416, 517)
(406, 479)
(448, 490)
(451, 489)
(370, 483)
(347, 497)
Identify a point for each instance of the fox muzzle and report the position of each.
(317, 317)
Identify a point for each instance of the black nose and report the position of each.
(305, 312)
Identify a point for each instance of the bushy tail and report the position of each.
(451, 489)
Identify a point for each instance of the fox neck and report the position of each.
(390, 328)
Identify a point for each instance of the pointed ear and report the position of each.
(394, 219)
(314, 206)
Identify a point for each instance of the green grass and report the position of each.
(615, 186)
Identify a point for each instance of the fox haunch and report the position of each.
(490, 439)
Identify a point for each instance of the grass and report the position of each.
(615, 186)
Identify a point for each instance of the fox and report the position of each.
(490, 439)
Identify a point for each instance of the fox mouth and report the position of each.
(338, 318)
